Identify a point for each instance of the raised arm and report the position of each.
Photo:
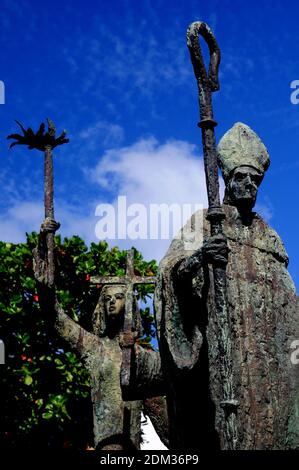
(78, 338)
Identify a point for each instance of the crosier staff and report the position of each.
(45, 142)
(208, 83)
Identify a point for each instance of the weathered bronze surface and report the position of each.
(116, 423)
(263, 319)
(130, 330)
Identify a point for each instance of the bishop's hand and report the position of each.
(41, 251)
(215, 250)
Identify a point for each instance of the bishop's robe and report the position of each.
(264, 323)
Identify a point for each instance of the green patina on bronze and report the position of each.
(264, 320)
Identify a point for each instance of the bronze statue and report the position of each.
(116, 423)
(227, 309)
(263, 319)
(106, 353)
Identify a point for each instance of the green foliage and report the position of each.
(46, 399)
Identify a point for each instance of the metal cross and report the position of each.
(130, 280)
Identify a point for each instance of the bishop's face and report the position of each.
(243, 187)
(114, 301)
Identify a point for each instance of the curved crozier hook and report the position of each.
(200, 28)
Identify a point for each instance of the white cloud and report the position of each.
(146, 172)
(19, 219)
(150, 172)
(27, 217)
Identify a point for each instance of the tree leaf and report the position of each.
(28, 380)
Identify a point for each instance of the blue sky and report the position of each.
(117, 76)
